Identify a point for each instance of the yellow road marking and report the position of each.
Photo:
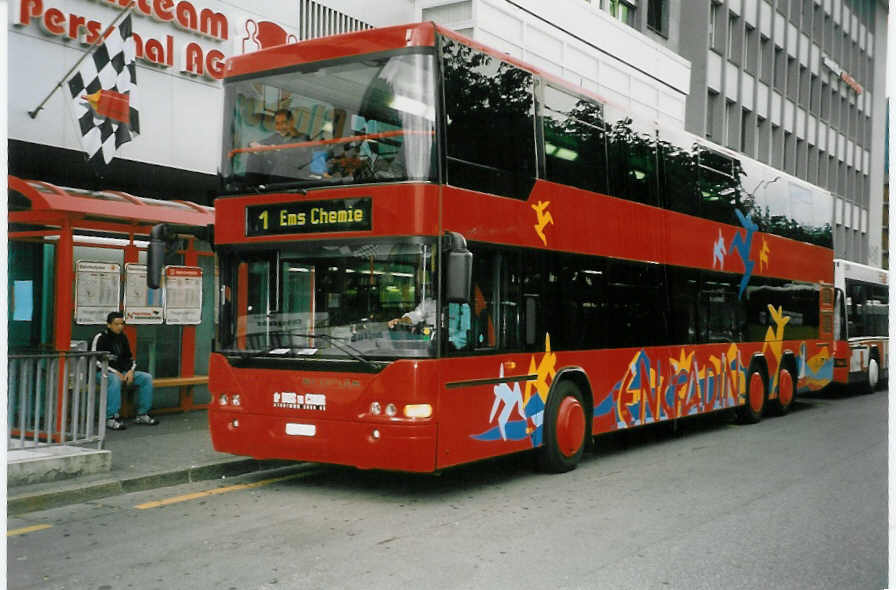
(28, 529)
(216, 491)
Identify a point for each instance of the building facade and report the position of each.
(796, 84)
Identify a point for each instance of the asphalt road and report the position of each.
(792, 502)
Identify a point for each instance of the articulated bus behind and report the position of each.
(861, 329)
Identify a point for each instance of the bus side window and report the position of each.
(678, 179)
(684, 286)
(632, 164)
(718, 187)
(490, 122)
(574, 141)
(485, 277)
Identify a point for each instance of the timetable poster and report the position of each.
(97, 291)
(183, 295)
(142, 305)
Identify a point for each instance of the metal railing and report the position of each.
(57, 398)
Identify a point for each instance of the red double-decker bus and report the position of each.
(431, 253)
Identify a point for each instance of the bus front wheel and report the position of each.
(565, 429)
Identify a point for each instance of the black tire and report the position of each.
(784, 402)
(565, 429)
(751, 412)
(872, 375)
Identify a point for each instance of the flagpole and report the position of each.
(100, 39)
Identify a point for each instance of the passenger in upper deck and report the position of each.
(290, 162)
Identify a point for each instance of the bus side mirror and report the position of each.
(158, 243)
(459, 271)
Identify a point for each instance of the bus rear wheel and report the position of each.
(565, 429)
(751, 412)
(786, 390)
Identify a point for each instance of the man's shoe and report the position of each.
(146, 420)
(115, 424)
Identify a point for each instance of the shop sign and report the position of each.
(182, 295)
(843, 75)
(160, 50)
(97, 291)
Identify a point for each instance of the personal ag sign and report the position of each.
(303, 217)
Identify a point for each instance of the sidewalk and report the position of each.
(178, 450)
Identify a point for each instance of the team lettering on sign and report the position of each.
(192, 60)
(320, 216)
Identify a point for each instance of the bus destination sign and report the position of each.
(303, 217)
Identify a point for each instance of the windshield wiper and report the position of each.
(339, 344)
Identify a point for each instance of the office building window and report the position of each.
(793, 73)
(751, 50)
(780, 69)
(732, 123)
(714, 25)
(623, 11)
(804, 87)
(815, 95)
(712, 102)
(734, 52)
(812, 165)
(807, 15)
(766, 58)
(657, 16)
(764, 137)
(789, 153)
(747, 133)
(777, 146)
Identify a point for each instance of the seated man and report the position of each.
(122, 368)
(288, 162)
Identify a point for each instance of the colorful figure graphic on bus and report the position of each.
(742, 245)
(646, 393)
(816, 371)
(529, 406)
(544, 218)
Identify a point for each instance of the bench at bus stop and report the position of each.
(185, 387)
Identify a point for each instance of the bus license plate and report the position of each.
(293, 429)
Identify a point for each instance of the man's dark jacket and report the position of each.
(118, 345)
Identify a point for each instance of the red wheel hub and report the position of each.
(756, 392)
(785, 387)
(570, 426)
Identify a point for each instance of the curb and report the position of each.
(76, 493)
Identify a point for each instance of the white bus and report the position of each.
(862, 309)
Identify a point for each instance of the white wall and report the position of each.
(583, 45)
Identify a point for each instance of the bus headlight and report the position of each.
(417, 411)
(375, 408)
(223, 399)
(391, 410)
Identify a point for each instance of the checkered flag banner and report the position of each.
(102, 93)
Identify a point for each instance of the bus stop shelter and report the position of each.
(54, 231)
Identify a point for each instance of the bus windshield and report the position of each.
(358, 120)
(352, 299)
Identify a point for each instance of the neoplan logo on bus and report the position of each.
(337, 215)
